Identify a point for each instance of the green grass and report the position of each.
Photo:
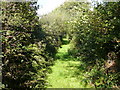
(65, 71)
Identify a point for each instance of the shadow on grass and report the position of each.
(65, 42)
(65, 57)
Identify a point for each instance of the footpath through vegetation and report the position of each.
(65, 70)
(33, 45)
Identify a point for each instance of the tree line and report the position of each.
(28, 50)
(94, 34)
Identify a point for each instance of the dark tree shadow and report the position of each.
(65, 42)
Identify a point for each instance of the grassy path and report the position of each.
(64, 72)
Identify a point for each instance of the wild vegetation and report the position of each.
(32, 46)
(27, 49)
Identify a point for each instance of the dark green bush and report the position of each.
(27, 51)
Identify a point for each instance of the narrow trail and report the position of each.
(65, 70)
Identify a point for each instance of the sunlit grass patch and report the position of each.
(62, 75)
(64, 71)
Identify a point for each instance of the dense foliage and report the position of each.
(29, 44)
(94, 35)
(96, 42)
(54, 25)
(27, 51)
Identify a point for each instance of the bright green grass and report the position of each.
(64, 71)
